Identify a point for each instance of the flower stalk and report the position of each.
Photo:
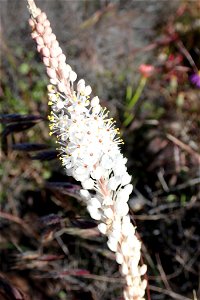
(89, 150)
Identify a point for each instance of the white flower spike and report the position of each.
(90, 152)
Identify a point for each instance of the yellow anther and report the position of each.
(51, 88)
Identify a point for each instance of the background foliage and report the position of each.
(50, 248)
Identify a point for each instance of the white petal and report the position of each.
(113, 183)
(81, 86)
(72, 76)
(102, 228)
(97, 173)
(94, 213)
(107, 201)
(95, 202)
(112, 244)
(122, 196)
(85, 194)
(126, 178)
(108, 212)
(128, 189)
(95, 101)
(88, 184)
(125, 270)
(121, 208)
(125, 248)
(143, 270)
(96, 109)
(88, 90)
(119, 258)
(60, 104)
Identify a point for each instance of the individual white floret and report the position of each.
(102, 228)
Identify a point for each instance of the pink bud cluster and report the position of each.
(59, 72)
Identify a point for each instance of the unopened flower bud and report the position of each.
(54, 63)
(47, 38)
(45, 51)
(41, 18)
(51, 73)
(53, 37)
(46, 23)
(39, 40)
(47, 30)
(31, 23)
(34, 34)
(61, 57)
(46, 61)
(72, 76)
(39, 48)
(39, 28)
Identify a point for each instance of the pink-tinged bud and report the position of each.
(46, 23)
(54, 62)
(53, 37)
(51, 73)
(63, 74)
(48, 30)
(61, 87)
(48, 45)
(54, 52)
(62, 58)
(34, 34)
(46, 61)
(31, 23)
(47, 38)
(55, 44)
(59, 51)
(39, 40)
(64, 70)
(63, 66)
(44, 16)
(39, 28)
(45, 51)
(39, 48)
(41, 18)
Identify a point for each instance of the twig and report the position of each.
(185, 147)
(181, 186)
(62, 245)
(185, 52)
(172, 294)
(16, 220)
(162, 273)
(161, 178)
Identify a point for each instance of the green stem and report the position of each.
(128, 114)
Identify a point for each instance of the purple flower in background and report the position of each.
(195, 79)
